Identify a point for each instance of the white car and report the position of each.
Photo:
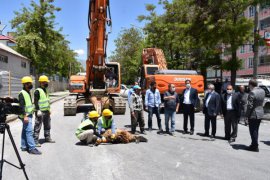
(124, 91)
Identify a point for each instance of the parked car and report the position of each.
(124, 91)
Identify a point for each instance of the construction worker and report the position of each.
(26, 115)
(42, 111)
(87, 132)
(106, 122)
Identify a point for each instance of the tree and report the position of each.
(196, 30)
(129, 46)
(38, 40)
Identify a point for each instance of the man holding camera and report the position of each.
(26, 115)
(42, 108)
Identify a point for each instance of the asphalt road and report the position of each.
(163, 157)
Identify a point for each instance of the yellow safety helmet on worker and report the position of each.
(27, 79)
(43, 78)
(107, 113)
(93, 115)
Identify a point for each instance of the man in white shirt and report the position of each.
(188, 103)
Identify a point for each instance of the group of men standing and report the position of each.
(172, 102)
(235, 106)
(41, 109)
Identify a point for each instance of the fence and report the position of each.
(10, 84)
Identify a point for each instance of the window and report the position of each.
(251, 11)
(242, 49)
(23, 64)
(3, 59)
(151, 70)
(250, 48)
(243, 64)
(250, 62)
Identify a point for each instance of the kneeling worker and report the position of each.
(87, 132)
(106, 122)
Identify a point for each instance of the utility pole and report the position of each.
(256, 41)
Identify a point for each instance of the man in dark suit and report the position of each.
(254, 113)
(211, 108)
(230, 104)
(188, 102)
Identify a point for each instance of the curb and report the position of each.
(13, 117)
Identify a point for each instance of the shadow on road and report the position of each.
(180, 131)
(80, 144)
(266, 142)
(239, 146)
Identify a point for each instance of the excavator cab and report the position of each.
(112, 77)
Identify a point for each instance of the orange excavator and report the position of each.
(154, 68)
(99, 87)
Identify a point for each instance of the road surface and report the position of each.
(163, 157)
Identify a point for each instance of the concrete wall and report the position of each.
(11, 85)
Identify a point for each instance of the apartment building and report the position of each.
(245, 52)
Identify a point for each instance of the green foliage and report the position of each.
(192, 33)
(38, 39)
(129, 46)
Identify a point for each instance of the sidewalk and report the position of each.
(56, 96)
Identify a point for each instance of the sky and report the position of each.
(73, 19)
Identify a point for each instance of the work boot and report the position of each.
(35, 152)
(49, 140)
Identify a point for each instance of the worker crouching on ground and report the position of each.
(26, 115)
(136, 110)
(87, 132)
(106, 122)
(106, 127)
(42, 111)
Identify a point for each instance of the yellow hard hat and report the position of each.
(93, 114)
(107, 112)
(43, 78)
(27, 79)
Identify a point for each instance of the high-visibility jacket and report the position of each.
(87, 124)
(44, 100)
(105, 124)
(28, 108)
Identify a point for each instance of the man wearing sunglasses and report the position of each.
(230, 104)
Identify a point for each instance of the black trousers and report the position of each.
(254, 125)
(207, 120)
(188, 110)
(231, 124)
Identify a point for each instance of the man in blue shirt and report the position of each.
(152, 103)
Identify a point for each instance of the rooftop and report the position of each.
(3, 37)
(11, 51)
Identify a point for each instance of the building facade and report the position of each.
(13, 62)
(245, 52)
